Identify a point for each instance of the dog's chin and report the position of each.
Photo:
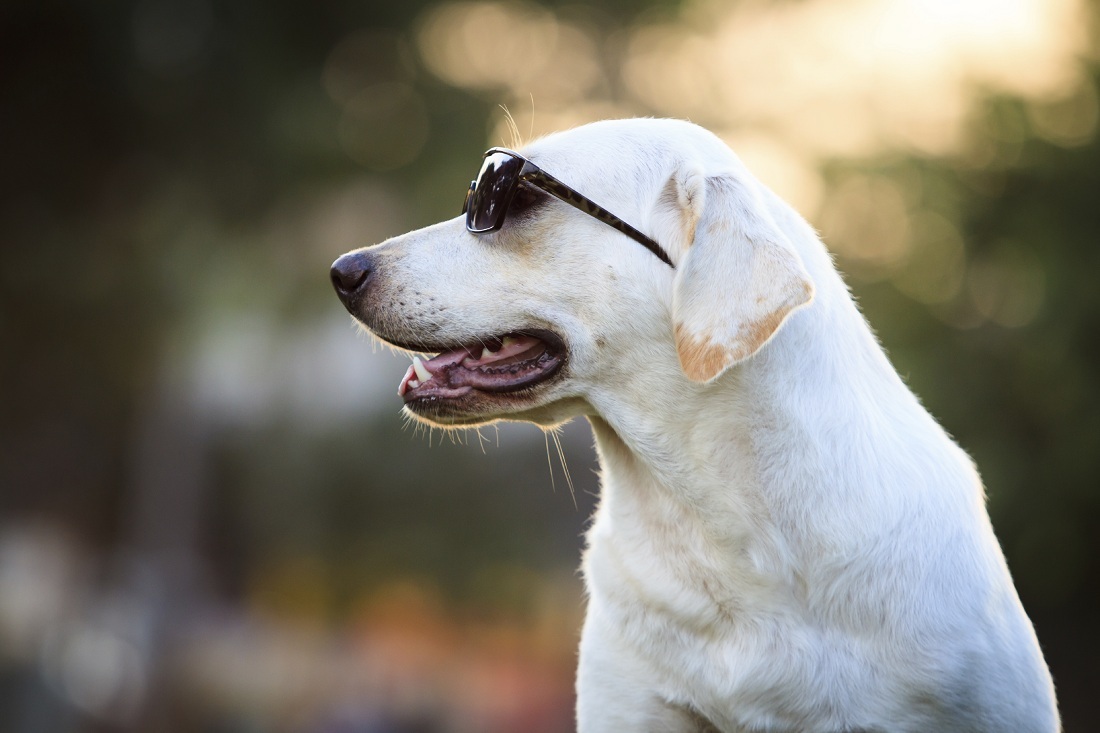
(488, 378)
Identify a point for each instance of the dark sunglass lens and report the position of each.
(489, 198)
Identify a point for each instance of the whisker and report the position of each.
(531, 122)
(549, 463)
(513, 128)
(564, 466)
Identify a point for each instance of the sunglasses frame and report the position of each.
(531, 173)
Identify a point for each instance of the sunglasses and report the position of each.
(490, 195)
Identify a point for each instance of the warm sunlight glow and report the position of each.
(854, 77)
(515, 47)
(824, 78)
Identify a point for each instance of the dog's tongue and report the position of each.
(475, 365)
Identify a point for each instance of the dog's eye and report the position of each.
(525, 199)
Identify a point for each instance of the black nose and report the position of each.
(349, 275)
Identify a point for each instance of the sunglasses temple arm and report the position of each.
(599, 212)
(560, 191)
(640, 238)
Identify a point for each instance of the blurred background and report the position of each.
(212, 515)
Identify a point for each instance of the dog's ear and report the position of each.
(741, 277)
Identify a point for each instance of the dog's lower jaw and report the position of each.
(545, 413)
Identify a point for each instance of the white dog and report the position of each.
(786, 540)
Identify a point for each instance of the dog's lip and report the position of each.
(510, 362)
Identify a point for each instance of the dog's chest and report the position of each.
(703, 623)
(675, 586)
(712, 616)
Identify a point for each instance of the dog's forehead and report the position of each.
(608, 142)
(629, 147)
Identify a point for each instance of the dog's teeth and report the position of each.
(486, 352)
(422, 372)
(412, 384)
(507, 341)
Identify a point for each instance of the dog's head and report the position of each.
(538, 319)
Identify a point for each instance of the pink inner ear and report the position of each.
(691, 189)
(680, 206)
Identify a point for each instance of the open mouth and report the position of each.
(508, 363)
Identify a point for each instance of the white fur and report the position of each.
(786, 540)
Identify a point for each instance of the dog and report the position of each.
(785, 539)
